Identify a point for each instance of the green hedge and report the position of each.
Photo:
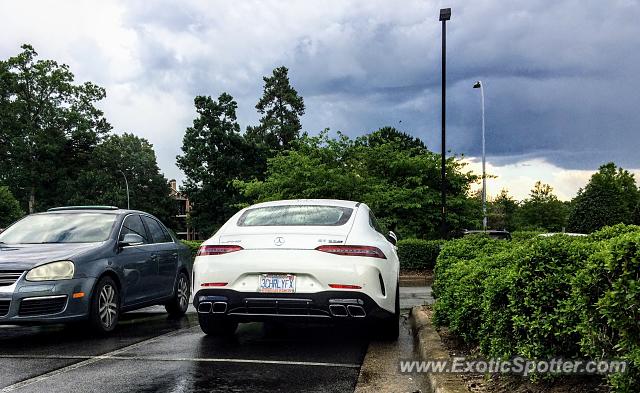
(418, 254)
(193, 245)
(558, 296)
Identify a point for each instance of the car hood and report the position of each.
(27, 256)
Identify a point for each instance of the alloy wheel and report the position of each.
(183, 292)
(107, 306)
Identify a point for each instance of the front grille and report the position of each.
(4, 307)
(42, 306)
(8, 277)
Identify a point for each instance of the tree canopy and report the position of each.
(542, 210)
(281, 108)
(399, 181)
(10, 209)
(48, 127)
(214, 154)
(610, 197)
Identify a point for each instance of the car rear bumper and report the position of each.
(45, 302)
(319, 306)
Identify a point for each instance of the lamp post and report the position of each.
(480, 85)
(445, 15)
(127, 184)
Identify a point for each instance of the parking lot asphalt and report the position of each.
(151, 353)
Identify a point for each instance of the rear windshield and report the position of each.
(295, 215)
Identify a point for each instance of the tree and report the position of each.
(542, 210)
(48, 127)
(9, 208)
(214, 155)
(501, 211)
(400, 182)
(101, 181)
(281, 107)
(610, 197)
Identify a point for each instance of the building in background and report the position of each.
(183, 207)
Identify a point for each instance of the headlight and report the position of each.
(62, 270)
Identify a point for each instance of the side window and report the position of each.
(133, 224)
(375, 224)
(158, 234)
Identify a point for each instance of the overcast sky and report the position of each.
(561, 77)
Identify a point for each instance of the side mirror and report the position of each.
(393, 238)
(131, 239)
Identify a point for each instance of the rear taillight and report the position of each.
(354, 251)
(216, 250)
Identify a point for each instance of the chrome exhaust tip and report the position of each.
(338, 310)
(356, 311)
(219, 308)
(204, 308)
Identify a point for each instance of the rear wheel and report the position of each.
(105, 306)
(178, 305)
(216, 326)
(390, 327)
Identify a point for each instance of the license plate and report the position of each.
(277, 283)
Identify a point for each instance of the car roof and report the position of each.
(326, 202)
(91, 209)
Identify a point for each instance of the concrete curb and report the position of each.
(430, 347)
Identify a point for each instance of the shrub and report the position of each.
(607, 298)
(461, 267)
(193, 245)
(556, 296)
(418, 253)
(520, 236)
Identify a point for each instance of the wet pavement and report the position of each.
(151, 353)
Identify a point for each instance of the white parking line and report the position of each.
(173, 359)
(88, 361)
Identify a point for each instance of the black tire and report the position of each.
(179, 304)
(390, 327)
(105, 306)
(217, 326)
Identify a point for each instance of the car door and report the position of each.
(166, 252)
(136, 261)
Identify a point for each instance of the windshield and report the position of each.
(291, 215)
(60, 228)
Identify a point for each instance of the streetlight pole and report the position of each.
(480, 85)
(127, 184)
(445, 15)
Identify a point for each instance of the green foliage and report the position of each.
(542, 210)
(418, 253)
(281, 107)
(520, 236)
(501, 212)
(393, 174)
(558, 296)
(610, 197)
(10, 210)
(214, 155)
(102, 180)
(606, 295)
(49, 127)
(193, 245)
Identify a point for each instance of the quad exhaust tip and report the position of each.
(215, 308)
(204, 307)
(356, 311)
(219, 308)
(338, 310)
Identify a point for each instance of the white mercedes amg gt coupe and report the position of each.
(312, 259)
